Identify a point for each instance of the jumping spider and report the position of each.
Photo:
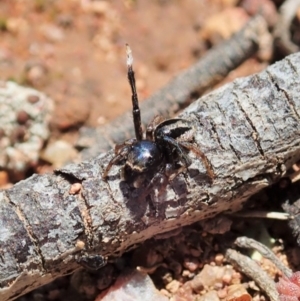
(159, 154)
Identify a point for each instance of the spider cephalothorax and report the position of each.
(163, 150)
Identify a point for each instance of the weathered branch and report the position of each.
(250, 268)
(249, 131)
(249, 243)
(184, 88)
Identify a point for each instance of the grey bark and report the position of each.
(249, 131)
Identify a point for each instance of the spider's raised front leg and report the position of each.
(195, 149)
(128, 142)
(121, 153)
(152, 126)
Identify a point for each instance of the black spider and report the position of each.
(164, 148)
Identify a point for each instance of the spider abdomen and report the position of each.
(144, 156)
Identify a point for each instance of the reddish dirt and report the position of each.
(74, 50)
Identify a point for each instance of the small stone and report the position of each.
(17, 25)
(173, 286)
(18, 134)
(59, 153)
(222, 293)
(4, 179)
(52, 33)
(186, 273)
(236, 277)
(73, 115)
(22, 117)
(36, 74)
(219, 259)
(97, 7)
(197, 284)
(75, 188)
(227, 278)
(237, 292)
(176, 267)
(209, 277)
(209, 296)
(191, 264)
(80, 245)
(132, 286)
(33, 98)
(185, 293)
(101, 120)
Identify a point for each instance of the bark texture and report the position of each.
(249, 131)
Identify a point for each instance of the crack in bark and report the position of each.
(33, 238)
(270, 121)
(256, 138)
(84, 209)
(235, 152)
(285, 93)
(228, 136)
(292, 66)
(213, 128)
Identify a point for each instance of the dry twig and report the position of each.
(248, 243)
(250, 268)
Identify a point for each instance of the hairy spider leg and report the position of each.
(121, 154)
(153, 181)
(118, 147)
(163, 179)
(152, 125)
(171, 145)
(192, 147)
(134, 97)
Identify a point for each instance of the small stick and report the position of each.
(251, 269)
(249, 243)
(264, 214)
